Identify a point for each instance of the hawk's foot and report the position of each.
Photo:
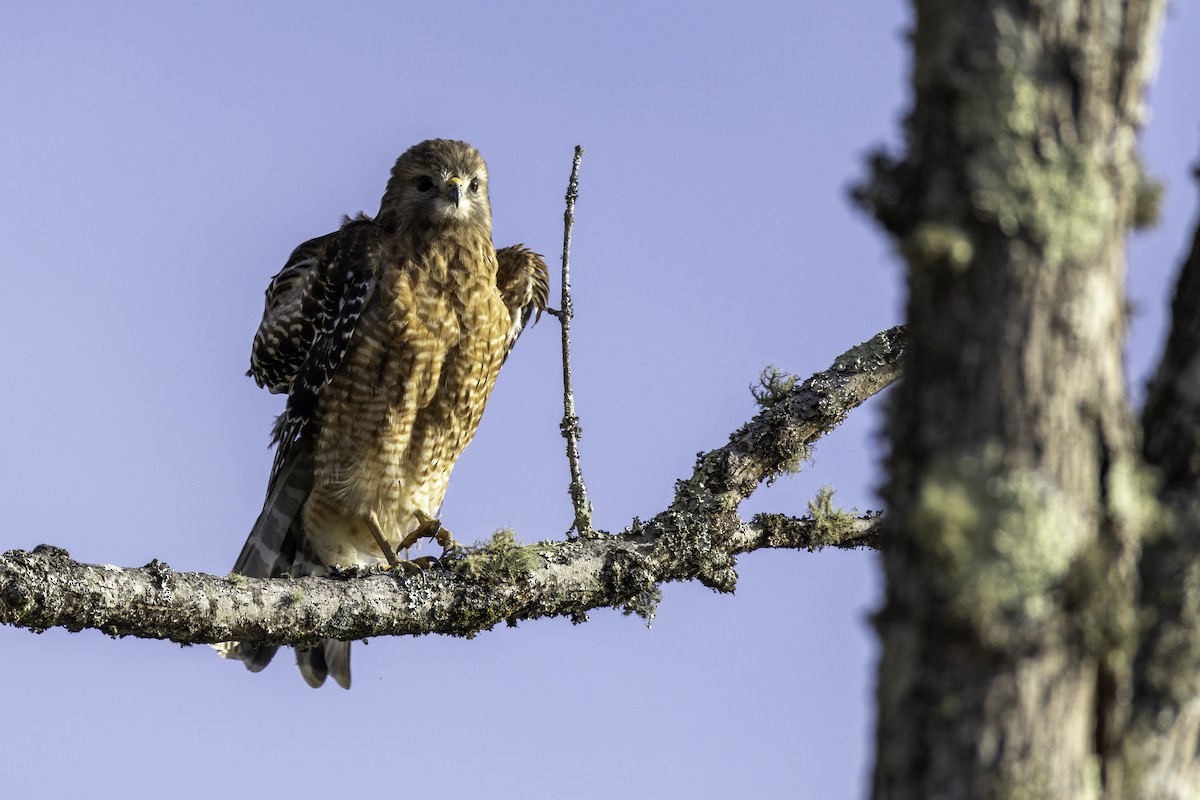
(430, 528)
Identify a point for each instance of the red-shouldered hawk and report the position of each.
(387, 337)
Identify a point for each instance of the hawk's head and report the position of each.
(438, 183)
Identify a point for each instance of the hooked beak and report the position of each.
(454, 190)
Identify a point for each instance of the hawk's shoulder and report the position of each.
(312, 305)
(524, 284)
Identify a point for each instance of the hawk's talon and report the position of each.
(446, 540)
(411, 569)
(427, 528)
(426, 562)
(430, 528)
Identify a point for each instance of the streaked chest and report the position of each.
(410, 395)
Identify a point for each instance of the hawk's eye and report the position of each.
(474, 184)
(423, 183)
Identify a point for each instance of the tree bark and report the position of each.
(1163, 748)
(1008, 624)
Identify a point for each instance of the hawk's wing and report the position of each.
(524, 284)
(312, 307)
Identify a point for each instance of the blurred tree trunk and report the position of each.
(1163, 744)
(1018, 494)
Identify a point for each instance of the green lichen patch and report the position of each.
(934, 245)
(1102, 589)
(1031, 176)
(693, 531)
(1132, 491)
(830, 523)
(501, 561)
(998, 540)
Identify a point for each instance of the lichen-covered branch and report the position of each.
(570, 427)
(780, 531)
(697, 537)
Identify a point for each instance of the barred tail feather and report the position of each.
(275, 547)
(330, 657)
(276, 539)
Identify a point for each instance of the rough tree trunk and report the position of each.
(1008, 628)
(1163, 744)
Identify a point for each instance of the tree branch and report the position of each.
(698, 536)
(571, 430)
(779, 531)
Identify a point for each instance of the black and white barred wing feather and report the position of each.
(312, 307)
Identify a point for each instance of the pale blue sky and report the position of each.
(158, 161)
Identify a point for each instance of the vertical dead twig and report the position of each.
(570, 423)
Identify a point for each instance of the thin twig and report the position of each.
(571, 430)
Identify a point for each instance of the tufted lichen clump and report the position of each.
(501, 561)
(644, 605)
(773, 385)
(830, 523)
(498, 563)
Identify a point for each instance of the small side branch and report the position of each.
(570, 427)
(780, 531)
